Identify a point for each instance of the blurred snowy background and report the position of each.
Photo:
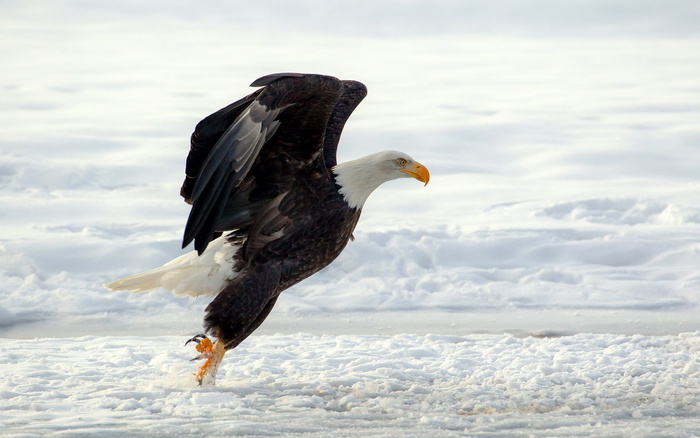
(563, 139)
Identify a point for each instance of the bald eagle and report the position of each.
(270, 205)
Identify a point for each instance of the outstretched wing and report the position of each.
(353, 93)
(255, 148)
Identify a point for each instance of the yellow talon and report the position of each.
(213, 354)
(204, 346)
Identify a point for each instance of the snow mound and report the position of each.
(623, 211)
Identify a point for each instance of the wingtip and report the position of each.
(199, 244)
(187, 238)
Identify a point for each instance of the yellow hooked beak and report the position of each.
(418, 171)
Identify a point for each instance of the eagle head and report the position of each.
(358, 178)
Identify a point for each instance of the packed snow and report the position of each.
(544, 283)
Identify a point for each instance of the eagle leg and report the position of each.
(212, 355)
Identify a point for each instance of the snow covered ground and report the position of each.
(544, 283)
(348, 385)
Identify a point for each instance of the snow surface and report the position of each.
(545, 282)
(403, 385)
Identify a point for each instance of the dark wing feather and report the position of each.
(268, 79)
(353, 93)
(226, 165)
(269, 225)
(205, 135)
(276, 134)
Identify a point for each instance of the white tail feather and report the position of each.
(188, 275)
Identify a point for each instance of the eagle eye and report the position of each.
(401, 162)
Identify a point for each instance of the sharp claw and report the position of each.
(197, 338)
(212, 353)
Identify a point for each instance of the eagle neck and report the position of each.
(357, 180)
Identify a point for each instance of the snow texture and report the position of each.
(404, 385)
(544, 283)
